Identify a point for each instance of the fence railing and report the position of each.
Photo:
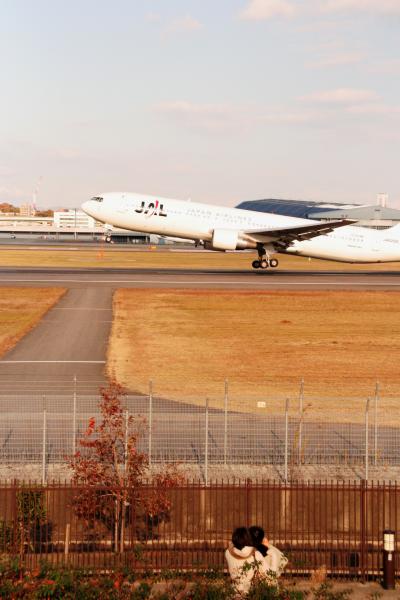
(337, 526)
(44, 429)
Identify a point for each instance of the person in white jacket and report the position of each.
(273, 561)
(243, 560)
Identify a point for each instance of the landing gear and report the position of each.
(264, 261)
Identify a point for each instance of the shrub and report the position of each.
(113, 474)
(6, 537)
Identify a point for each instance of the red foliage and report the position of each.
(114, 474)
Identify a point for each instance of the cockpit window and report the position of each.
(97, 199)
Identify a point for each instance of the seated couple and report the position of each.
(249, 553)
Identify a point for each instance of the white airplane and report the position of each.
(222, 228)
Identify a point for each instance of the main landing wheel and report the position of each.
(273, 262)
(264, 263)
(255, 264)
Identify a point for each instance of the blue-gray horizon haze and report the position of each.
(217, 101)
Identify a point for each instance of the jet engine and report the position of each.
(225, 239)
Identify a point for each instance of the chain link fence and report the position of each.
(45, 429)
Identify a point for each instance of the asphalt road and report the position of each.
(200, 279)
(70, 341)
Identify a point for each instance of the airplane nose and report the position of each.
(92, 207)
(87, 206)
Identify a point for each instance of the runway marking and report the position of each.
(179, 281)
(82, 308)
(62, 322)
(207, 282)
(19, 362)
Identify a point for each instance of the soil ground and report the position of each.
(159, 257)
(21, 309)
(187, 342)
(371, 590)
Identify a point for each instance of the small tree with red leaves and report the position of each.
(117, 485)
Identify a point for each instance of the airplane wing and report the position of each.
(287, 235)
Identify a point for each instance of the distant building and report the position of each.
(73, 218)
(382, 199)
(27, 210)
(378, 216)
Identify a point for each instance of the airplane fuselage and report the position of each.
(238, 228)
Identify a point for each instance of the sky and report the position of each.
(214, 100)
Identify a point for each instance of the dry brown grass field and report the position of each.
(154, 257)
(188, 342)
(21, 309)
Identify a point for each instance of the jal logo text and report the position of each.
(151, 208)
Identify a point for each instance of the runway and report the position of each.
(200, 279)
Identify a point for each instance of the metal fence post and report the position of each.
(44, 438)
(363, 526)
(225, 421)
(286, 438)
(74, 419)
(376, 424)
(206, 446)
(150, 421)
(126, 441)
(301, 408)
(367, 440)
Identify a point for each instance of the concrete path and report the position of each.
(71, 340)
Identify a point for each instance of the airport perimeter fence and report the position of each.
(44, 429)
(338, 527)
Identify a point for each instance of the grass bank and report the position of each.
(189, 341)
(21, 309)
(154, 257)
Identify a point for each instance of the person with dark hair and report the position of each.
(274, 561)
(258, 539)
(243, 560)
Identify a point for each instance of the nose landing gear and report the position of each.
(263, 261)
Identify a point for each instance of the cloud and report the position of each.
(389, 66)
(374, 109)
(189, 108)
(184, 24)
(153, 17)
(229, 117)
(281, 117)
(371, 6)
(209, 116)
(259, 10)
(337, 60)
(342, 96)
(337, 105)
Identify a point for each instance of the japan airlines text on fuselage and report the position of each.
(222, 228)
